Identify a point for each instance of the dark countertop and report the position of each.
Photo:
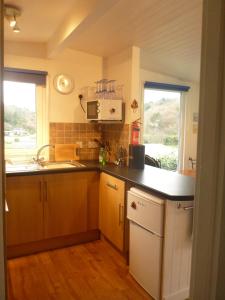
(170, 185)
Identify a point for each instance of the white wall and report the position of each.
(118, 67)
(84, 68)
(124, 68)
(135, 114)
(191, 102)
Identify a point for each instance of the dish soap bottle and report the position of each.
(102, 156)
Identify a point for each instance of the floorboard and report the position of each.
(89, 271)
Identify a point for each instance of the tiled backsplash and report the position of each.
(80, 133)
(117, 135)
(85, 133)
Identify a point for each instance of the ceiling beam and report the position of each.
(83, 15)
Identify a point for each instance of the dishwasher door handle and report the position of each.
(133, 205)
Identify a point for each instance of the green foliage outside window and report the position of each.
(170, 140)
(168, 162)
(161, 127)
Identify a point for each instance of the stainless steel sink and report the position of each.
(29, 167)
(62, 165)
(23, 167)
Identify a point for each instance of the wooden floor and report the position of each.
(85, 272)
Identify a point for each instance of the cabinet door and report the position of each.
(112, 209)
(24, 221)
(65, 209)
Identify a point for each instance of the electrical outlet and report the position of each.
(80, 144)
(92, 144)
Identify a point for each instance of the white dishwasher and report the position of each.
(146, 215)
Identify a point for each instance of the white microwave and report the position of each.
(104, 110)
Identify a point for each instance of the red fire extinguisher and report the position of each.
(135, 132)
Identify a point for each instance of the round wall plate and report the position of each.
(63, 83)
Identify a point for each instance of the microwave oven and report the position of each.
(104, 110)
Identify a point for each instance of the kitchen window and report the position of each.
(25, 113)
(164, 123)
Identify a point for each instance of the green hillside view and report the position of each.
(16, 117)
(161, 125)
(20, 127)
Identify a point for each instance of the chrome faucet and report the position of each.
(39, 159)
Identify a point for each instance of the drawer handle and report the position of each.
(179, 206)
(46, 191)
(113, 186)
(133, 205)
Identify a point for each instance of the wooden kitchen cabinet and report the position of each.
(111, 211)
(24, 221)
(49, 207)
(65, 204)
(70, 203)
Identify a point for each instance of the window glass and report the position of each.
(162, 126)
(26, 120)
(20, 115)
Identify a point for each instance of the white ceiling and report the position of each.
(39, 19)
(167, 31)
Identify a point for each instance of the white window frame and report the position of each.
(182, 130)
(182, 127)
(42, 128)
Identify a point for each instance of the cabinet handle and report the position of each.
(188, 207)
(113, 186)
(6, 206)
(46, 191)
(179, 206)
(121, 214)
(40, 188)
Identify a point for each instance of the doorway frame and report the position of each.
(3, 281)
(208, 250)
(208, 263)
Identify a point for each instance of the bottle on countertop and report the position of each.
(102, 156)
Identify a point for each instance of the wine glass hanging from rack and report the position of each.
(105, 89)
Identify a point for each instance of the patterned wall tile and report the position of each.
(83, 133)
